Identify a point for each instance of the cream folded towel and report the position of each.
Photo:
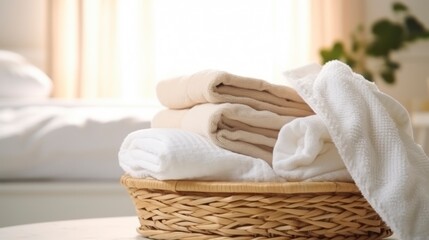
(211, 86)
(373, 135)
(173, 154)
(304, 151)
(235, 127)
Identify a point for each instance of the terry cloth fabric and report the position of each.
(211, 86)
(304, 151)
(373, 134)
(236, 127)
(173, 154)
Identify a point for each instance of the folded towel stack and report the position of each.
(246, 118)
(216, 126)
(240, 114)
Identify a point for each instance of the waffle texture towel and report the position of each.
(171, 154)
(304, 151)
(373, 134)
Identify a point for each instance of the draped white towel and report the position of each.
(373, 134)
(304, 151)
(172, 154)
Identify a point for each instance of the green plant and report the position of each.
(388, 37)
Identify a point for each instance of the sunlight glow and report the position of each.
(249, 37)
(255, 38)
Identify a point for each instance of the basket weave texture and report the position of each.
(191, 210)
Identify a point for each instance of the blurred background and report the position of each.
(120, 49)
(91, 50)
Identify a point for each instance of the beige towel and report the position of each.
(236, 127)
(211, 86)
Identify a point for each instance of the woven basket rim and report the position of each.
(240, 187)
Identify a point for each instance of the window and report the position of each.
(122, 48)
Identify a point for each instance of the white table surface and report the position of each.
(117, 228)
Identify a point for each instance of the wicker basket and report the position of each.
(226, 210)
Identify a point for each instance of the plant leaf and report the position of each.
(388, 76)
(336, 52)
(392, 65)
(388, 36)
(355, 44)
(415, 28)
(368, 75)
(399, 7)
(350, 61)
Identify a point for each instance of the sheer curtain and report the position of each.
(121, 48)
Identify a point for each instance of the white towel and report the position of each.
(372, 132)
(304, 151)
(172, 154)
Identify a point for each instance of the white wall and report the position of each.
(412, 77)
(23, 29)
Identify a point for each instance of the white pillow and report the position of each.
(20, 79)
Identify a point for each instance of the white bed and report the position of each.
(65, 140)
(58, 158)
